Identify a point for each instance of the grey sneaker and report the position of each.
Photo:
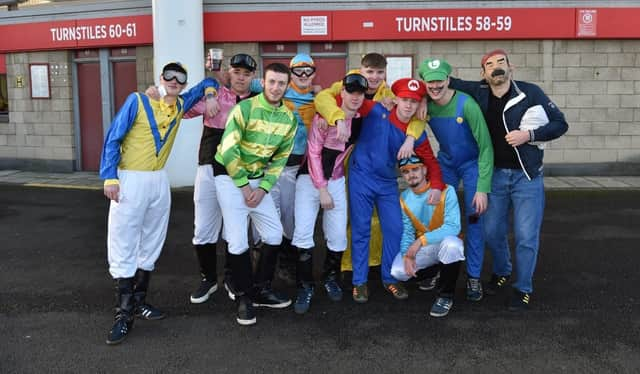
(397, 290)
(474, 289)
(361, 293)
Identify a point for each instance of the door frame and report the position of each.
(106, 92)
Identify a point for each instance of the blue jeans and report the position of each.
(510, 189)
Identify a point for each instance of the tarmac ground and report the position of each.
(56, 302)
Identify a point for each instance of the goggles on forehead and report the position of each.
(300, 71)
(355, 82)
(410, 162)
(242, 60)
(179, 76)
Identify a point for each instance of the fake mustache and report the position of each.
(497, 72)
(437, 88)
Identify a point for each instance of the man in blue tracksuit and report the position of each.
(520, 118)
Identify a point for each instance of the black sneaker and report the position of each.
(149, 312)
(496, 284)
(519, 301)
(246, 315)
(230, 293)
(120, 330)
(428, 284)
(269, 298)
(205, 289)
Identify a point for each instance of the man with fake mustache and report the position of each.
(519, 116)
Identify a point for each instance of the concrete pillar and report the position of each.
(178, 36)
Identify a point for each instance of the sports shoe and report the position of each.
(441, 307)
(230, 293)
(474, 289)
(333, 290)
(269, 298)
(245, 315)
(397, 290)
(120, 330)
(496, 283)
(206, 288)
(519, 301)
(149, 312)
(303, 301)
(361, 293)
(428, 284)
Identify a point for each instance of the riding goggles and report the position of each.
(355, 82)
(410, 162)
(242, 60)
(179, 76)
(300, 71)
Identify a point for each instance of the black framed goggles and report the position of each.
(300, 71)
(242, 60)
(179, 76)
(409, 161)
(355, 82)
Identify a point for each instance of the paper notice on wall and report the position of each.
(587, 22)
(399, 67)
(313, 25)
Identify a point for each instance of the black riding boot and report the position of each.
(331, 275)
(304, 277)
(264, 294)
(240, 276)
(207, 259)
(287, 258)
(448, 279)
(124, 311)
(140, 287)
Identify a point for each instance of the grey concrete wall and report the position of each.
(39, 134)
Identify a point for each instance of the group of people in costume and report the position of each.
(276, 150)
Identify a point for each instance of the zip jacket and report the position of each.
(524, 99)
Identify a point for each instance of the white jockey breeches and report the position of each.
(138, 222)
(236, 214)
(449, 250)
(334, 221)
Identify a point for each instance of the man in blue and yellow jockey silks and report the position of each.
(135, 151)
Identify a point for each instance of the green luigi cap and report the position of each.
(434, 70)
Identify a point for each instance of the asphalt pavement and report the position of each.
(56, 300)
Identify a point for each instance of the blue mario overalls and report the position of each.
(458, 159)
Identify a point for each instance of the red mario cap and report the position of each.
(409, 88)
(491, 54)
